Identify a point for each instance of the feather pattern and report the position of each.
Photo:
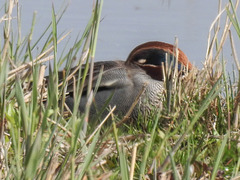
(123, 81)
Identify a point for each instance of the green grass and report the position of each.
(195, 135)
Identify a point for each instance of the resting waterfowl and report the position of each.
(123, 81)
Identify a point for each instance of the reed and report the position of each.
(196, 134)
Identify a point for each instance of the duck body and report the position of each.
(120, 86)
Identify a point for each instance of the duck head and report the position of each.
(151, 56)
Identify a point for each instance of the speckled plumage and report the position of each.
(123, 81)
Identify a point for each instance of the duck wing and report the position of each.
(112, 75)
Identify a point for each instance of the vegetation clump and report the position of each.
(195, 136)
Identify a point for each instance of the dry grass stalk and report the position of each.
(100, 125)
(7, 30)
(133, 162)
(39, 59)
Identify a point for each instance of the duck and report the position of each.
(139, 78)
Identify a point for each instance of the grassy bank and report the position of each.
(196, 134)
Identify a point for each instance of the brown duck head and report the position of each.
(151, 56)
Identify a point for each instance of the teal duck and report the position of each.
(123, 81)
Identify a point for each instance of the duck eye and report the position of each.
(142, 61)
